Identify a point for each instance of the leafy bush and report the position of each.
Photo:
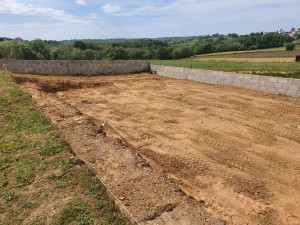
(290, 47)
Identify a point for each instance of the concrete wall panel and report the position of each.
(76, 67)
(276, 85)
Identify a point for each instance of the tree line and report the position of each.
(139, 49)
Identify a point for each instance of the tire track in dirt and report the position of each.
(235, 151)
(149, 195)
(182, 163)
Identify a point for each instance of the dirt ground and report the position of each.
(235, 151)
(247, 59)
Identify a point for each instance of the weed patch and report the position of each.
(52, 147)
(76, 213)
(9, 197)
(38, 181)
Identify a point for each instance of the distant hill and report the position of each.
(100, 40)
(5, 39)
(10, 39)
(114, 40)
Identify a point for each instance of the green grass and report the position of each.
(36, 170)
(282, 69)
(261, 53)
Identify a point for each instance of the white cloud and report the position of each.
(111, 8)
(14, 7)
(56, 19)
(81, 2)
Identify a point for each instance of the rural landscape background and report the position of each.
(146, 148)
(257, 53)
(134, 49)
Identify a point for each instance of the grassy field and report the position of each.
(222, 61)
(39, 183)
(281, 69)
(261, 53)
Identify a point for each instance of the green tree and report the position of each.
(163, 53)
(150, 54)
(54, 53)
(8, 49)
(289, 39)
(94, 45)
(115, 53)
(248, 41)
(220, 47)
(140, 54)
(41, 48)
(182, 52)
(290, 46)
(23, 51)
(76, 54)
(271, 40)
(99, 55)
(205, 48)
(80, 44)
(233, 35)
(236, 46)
(89, 54)
(65, 51)
(109, 54)
(121, 54)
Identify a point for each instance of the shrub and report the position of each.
(290, 47)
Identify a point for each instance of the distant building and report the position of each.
(293, 33)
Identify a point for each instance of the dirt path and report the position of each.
(235, 151)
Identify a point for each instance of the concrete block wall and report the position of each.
(76, 67)
(276, 85)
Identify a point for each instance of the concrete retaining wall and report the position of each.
(76, 67)
(277, 85)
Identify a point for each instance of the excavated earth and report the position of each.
(178, 151)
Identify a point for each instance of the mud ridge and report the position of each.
(160, 210)
(53, 87)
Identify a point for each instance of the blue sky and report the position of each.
(76, 19)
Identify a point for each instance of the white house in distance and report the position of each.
(293, 33)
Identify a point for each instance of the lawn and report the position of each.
(281, 69)
(261, 53)
(39, 181)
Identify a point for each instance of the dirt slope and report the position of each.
(235, 151)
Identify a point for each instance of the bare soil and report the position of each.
(235, 153)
